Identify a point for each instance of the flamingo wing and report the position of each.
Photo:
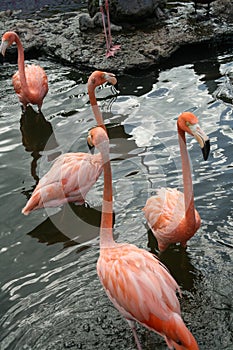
(165, 214)
(69, 179)
(142, 289)
(164, 210)
(37, 84)
(137, 283)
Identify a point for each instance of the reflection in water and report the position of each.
(69, 225)
(182, 270)
(37, 136)
(121, 145)
(209, 71)
(73, 224)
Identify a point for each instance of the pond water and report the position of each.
(41, 8)
(50, 295)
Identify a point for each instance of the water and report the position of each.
(41, 8)
(50, 295)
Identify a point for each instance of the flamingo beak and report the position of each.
(111, 78)
(90, 144)
(206, 149)
(202, 139)
(3, 47)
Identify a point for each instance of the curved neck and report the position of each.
(21, 65)
(95, 107)
(106, 235)
(187, 179)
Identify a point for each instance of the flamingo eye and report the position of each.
(187, 123)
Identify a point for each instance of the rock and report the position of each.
(131, 11)
(86, 23)
(60, 37)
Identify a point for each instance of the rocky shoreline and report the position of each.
(60, 38)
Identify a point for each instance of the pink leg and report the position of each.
(104, 25)
(112, 47)
(109, 23)
(132, 326)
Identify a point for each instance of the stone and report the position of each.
(60, 37)
(131, 11)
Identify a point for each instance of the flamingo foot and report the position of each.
(115, 47)
(111, 51)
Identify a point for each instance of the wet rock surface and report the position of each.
(60, 37)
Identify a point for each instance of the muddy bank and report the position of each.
(60, 37)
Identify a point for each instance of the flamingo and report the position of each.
(108, 36)
(171, 214)
(98, 78)
(72, 174)
(136, 282)
(30, 81)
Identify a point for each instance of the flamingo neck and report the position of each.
(21, 66)
(95, 107)
(106, 234)
(187, 179)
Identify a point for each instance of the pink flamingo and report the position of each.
(72, 174)
(108, 36)
(171, 214)
(136, 282)
(30, 81)
(98, 78)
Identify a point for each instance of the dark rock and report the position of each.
(203, 2)
(131, 11)
(86, 22)
(61, 38)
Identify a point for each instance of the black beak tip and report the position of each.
(206, 150)
(91, 148)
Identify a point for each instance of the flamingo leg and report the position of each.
(112, 47)
(109, 24)
(104, 25)
(108, 36)
(132, 326)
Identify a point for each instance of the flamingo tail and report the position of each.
(32, 203)
(179, 337)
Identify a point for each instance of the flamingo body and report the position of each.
(142, 289)
(30, 81)
(136, 282)
(171, 214)
(37, 82)
(69, 179)
(165, 216)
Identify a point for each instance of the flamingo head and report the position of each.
(188, 122)
(7, 40)
(97, 137)
(98, 78)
